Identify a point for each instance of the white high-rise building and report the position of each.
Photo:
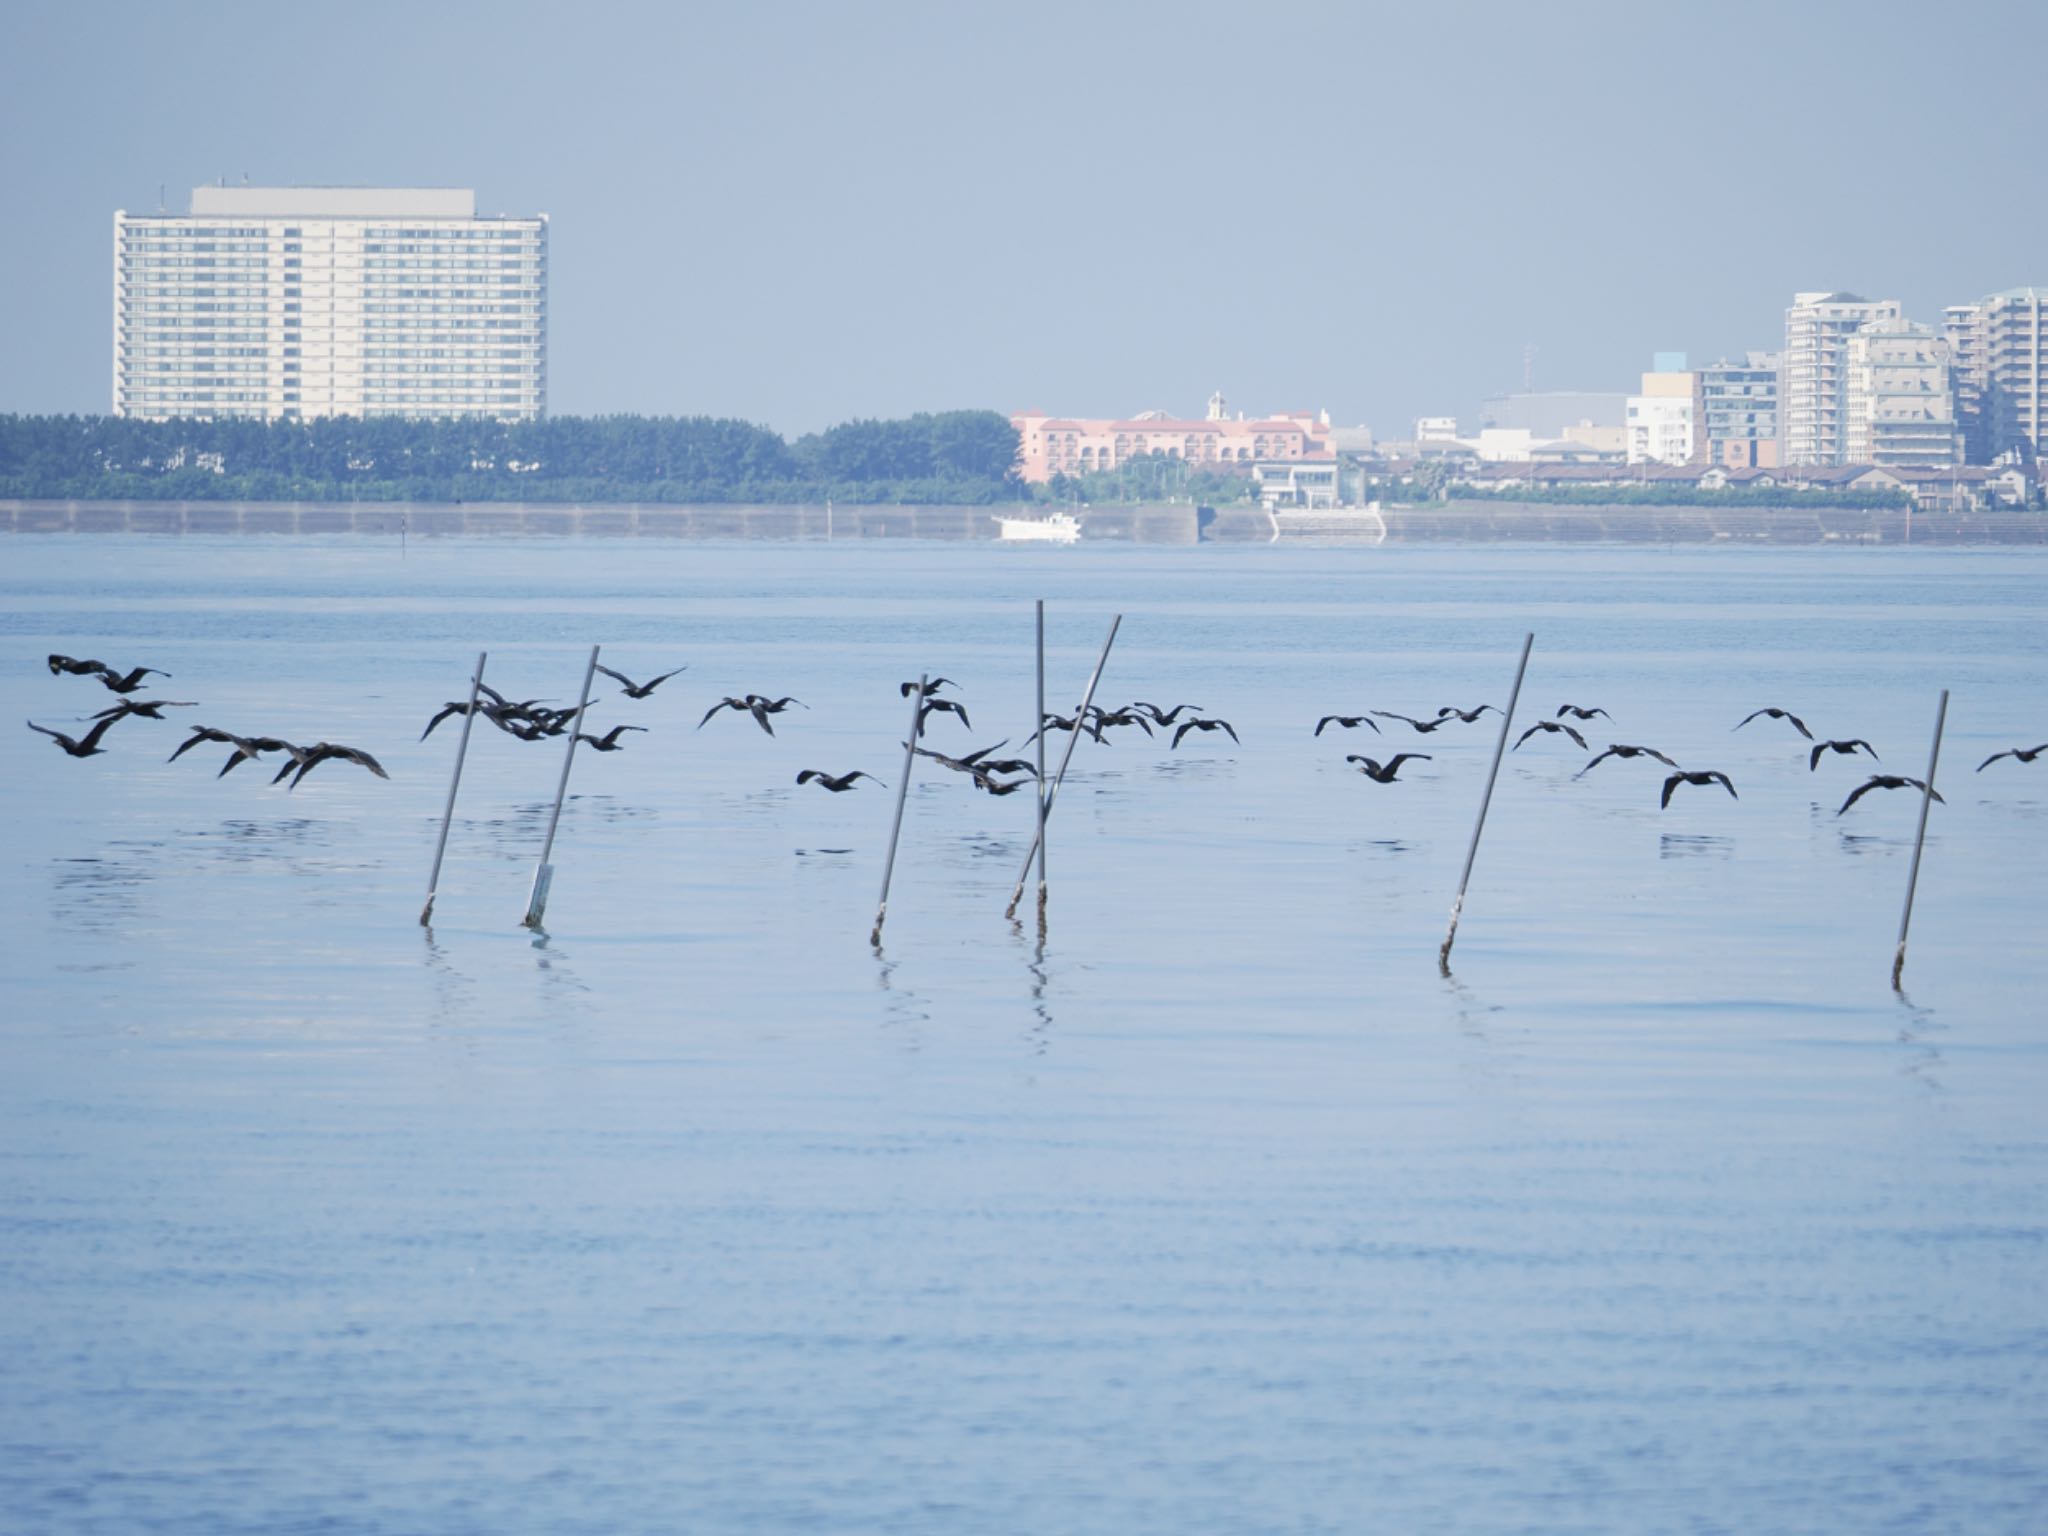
(330, 301)
(2001, 367)
(1813, 403)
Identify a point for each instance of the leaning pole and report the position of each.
(1919, 841)
(1443, 955)
(544, 872)
(476, 683)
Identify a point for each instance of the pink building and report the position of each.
(1061, 445)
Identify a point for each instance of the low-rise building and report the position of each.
(1060, 445)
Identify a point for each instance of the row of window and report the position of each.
(472, 369)
(375, 236)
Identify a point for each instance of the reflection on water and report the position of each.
(697, 1169)
(1694, 845)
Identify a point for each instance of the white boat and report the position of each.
(1053, 528)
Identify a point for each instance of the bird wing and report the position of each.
(1858, 793)
(1813, 757)
(1388, 714)
(452, 709)
(1994, 757)
(962, 713)
(1402, 757)
(48, 732)
(1866, 746)
(617, 677)
(359, 756)
(1182, 731)
(1596, 762)
(1750, 716)
(759, 710)
(1575, 736)
(1225, 724)
(1798, 724)
(1524, 737)
(1723, 780)
(199, 734)
(808, 774)
(1672, 783)
(92, 737)
(1327, 719)
(714, 709)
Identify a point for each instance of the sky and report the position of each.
(800, 214)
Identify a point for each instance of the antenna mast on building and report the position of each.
(1528, 367)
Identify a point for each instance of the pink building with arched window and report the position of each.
(1063, 445)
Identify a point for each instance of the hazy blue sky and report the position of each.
(802, 213)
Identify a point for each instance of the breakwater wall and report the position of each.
(1445, 522)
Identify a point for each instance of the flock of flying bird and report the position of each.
(536, 720)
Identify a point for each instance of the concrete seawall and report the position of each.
(1145, 524)
(1450, 522)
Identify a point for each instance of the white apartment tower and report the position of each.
(1901, 411)
(330, 301)
(1813, 404)
(2001, 364)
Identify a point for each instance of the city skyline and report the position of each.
(807, 219)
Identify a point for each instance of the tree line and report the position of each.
(933, 458)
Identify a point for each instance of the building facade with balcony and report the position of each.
(2001, 371)
(1660, 421)
(272, 302)
(1900, 411)
(1813, 401)
(1737, 410)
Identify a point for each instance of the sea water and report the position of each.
(1213, 1207)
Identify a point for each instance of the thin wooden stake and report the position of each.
(1443, 955)
(1919, 842)
(544, 872)
(1073, 740)
(1039, 787)
(476, 684)
(902, 794)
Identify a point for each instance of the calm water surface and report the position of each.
(1219, 1209)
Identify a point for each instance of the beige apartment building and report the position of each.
(330, 301)
(1900, 411)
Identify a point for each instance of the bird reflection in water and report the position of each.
(1694, 845)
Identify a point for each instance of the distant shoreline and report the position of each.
(1487, 522)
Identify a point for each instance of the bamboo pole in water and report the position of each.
(1046, 795)
(1039, 787)
(1919, 841)
(544, 872)
(1443, 955)
(902, 793)
(476, 684)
